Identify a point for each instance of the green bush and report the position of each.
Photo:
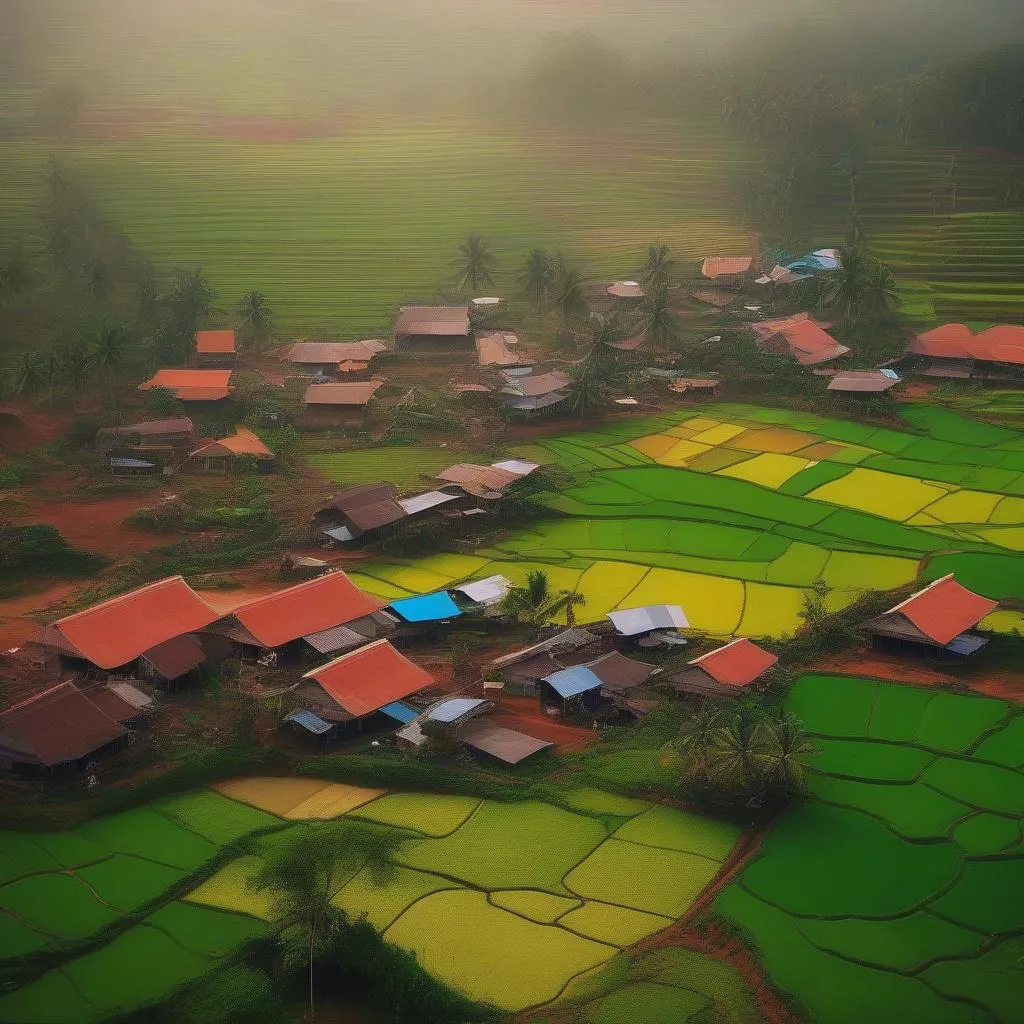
(41, 549)
(18, 472)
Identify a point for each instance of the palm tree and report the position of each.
(108, 347)
(787, 748)
(657, 269)
(568, 292)
(586, 388)
(536, 278)
(304, 876)
(881, 300)
(75, 362)
(536, 603)
(696, 737)
(739, 761)
(659, 324)
(844, 291)
(28, 375)
(476, 263)
(256, 325)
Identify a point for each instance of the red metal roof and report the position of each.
(330, 600)
(805, 339)
(177, 656)
(57, 725)
(1003, 343)
(944, 609)
(321, 352)
(717, 266)
(117, 631)
(242, 442)
(215, 342)
(191, 385)
(736, 664)
(368, 678)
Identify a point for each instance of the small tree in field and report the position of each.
(476, 263)
(536, 603)
(256, 326)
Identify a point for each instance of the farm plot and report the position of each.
(927, 846)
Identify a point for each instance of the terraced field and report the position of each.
(735, 512)
(475, 883)
(895, 893)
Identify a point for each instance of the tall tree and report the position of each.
(739, 761)
(108, 346)
(536, 278)
(476, 263)
(658, 323)
(586, 388)
(657, 269)
(568, 292)
(28, 376)
(303, 877)
(76, 362)
(787, 748)
(256, 324)
(190, 299)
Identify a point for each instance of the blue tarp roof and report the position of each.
(568, 682)
(454, 709)
(400, 712)
(310, 722)
(342, 533)
(428, 608)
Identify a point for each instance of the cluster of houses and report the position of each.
(112, 659)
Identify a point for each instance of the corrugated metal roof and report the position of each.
(571, 639)
(867, 381)
(536, 401)
(242, 442)
(215, 342)
(326, 352)
(634, 621)
(570, 682)
(426, 608)
(944, 609)
(337, 638)
(505, 744)
(625, 290)
(518, 466)
(718, 266)
(310, 722)
(356, 393)
(191, 385)
(123, 463)
(452, 710)
(131, 695)
(535, 384)
(738, 663)
(617, 672)
(433, 320)
(176, 657)
(499, 348)
(1003, 343)
(489, 591)
(400, 712)
(423, 502)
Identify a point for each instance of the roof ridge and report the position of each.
(42, 693)
(127, 594)
(313, 673)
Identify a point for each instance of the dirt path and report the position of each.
(522, 713)
(1005, 685)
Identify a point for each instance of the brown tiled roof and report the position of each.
(357, 393)
(625, 290)
(192, 385)
(369, 506)
(242, 442)
(114, 706)
(617, 672)
(433, 320)
(871, 381)
(718, 266)
(57, 725)
(536, 383)
(499, 348)
(804, 339)
(175, 657)
(323, 352)
(507, 745)
(1003, 343)
(148, 428)
(481, 478)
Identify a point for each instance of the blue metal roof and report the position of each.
(400, 712)
(428, 608)
(568, 682)
(310, 722)
(454, 709)
(966, 644)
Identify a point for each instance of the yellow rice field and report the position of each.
(882, 494)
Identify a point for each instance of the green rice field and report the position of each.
(475, 883)
(895, 891)
(735, 512)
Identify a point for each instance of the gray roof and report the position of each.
(571, 639)
(505, 744)
(433, 320)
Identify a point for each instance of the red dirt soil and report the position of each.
(524, 714)
(1004, 685)
(16, 621)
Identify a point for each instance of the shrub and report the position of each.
(40, 549)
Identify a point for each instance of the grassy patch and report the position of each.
(215, 817)
(618, 926)
(127, 882)
(677, 830)
(203, 931)
(145, 833)
(57, 904)
(421, 812)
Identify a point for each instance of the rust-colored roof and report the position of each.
(57, 725)
(366, 679)
(718, 266)
(489, 477)
(148, 428)
(111, 703)
(355, 393)
(433, 320)
(323, 352)
(617, 672)
(944, 609)
(215, 342)
(805, 339)
(736, 664)
(352, 366)
(330, 600)
(861, 381)
(536, 383)
(242, 442)
(176, 656)
(1003, 343)
(499, 348)
(369, 506)
(192, 385)
(717, 297)
(117, 631)
(625, 290)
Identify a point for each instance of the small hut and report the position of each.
(727, 671)
(432, 328)
(339, 405)
(222, 456)
(215, 348)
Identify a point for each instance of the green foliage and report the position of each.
(40, 549)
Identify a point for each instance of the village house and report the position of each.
(151, 444)
(338, 405)
(304, 616)
(191, 385)
(347, 361)
(628, 293)
(215, 348)
(523, 670)
(934, 622)
(653, 625)
(728, 671)
(585, 687)
(727, 271)
(70, 724)
(111, 637)
(486, 481)
(534, 392)
(954, 351)
(424, 616)
(221, 456)
(359, 511)
(800, 337)
(862, 382)
(432, 328)
(500, 349)
(358, 684)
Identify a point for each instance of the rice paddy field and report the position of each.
(161, 892)
(735, 512)
(895, 892)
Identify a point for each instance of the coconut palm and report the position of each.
(881, 300)
(787, 749)
(303, 877)
(738, 759)
(476, 263)
(568, 292)
(586, 387)
(76, 362)
(536, 278)
(696, 738)
(658, 323)
(108, 347)
(536, 603)
(844, 291)
(656, 270)
(257, 320)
